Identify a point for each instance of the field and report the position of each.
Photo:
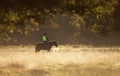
(66, 60)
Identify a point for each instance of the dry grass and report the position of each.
(68, 60)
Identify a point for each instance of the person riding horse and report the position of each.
(45, 45)
(45, 38)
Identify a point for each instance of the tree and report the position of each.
(23, 16)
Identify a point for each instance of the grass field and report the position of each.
(66, 60)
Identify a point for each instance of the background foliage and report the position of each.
(24, 16)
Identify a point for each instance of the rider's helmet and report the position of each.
(45, 33)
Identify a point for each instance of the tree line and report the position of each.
(23, 16)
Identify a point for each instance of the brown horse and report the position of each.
(45, 45)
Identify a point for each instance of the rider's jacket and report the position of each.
(44, 38)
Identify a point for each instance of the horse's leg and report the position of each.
(48, 50)
(37, 48)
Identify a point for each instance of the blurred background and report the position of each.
(91, 22)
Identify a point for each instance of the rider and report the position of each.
(44, 38)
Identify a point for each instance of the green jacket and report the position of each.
(44, 38)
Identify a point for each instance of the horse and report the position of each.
(45, 45)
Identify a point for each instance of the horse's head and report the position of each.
(55, 43)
